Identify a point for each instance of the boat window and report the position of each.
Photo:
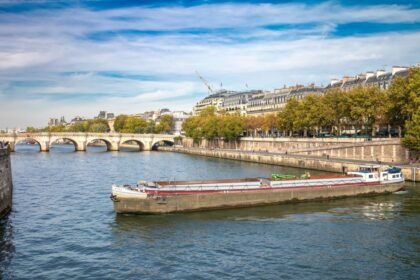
(370, 176)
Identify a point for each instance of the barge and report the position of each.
(156, 197)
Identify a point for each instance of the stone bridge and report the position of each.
(80, 140)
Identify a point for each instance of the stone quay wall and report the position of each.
(377, 149)
(6, 185)
(411, 173)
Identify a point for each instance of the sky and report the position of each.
(75, 58)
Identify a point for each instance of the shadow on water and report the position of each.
(62, 148)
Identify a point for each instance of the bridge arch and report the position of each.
(97, 141)
(162, 143)
(66, 140)
(27, 145)
(125, 143)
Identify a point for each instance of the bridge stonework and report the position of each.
(81, 140)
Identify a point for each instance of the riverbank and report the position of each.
(411, 173)
(6, 186)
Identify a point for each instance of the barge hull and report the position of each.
(199, 202)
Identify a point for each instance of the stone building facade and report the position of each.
(273, 102)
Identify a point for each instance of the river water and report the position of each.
(63, 226)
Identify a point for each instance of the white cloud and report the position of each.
(39, 46)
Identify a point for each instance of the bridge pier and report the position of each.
(45, 146)
(12, 146)
(113, 146)
(147, 146)
(80, 146)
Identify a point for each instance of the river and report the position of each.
(63, 226)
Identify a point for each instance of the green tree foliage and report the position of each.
(134, 125)
(57, 128)
(31, 129)
(208, 125)
(165, 124)
(79, 127)
(232, 126)
(334, 109)
(192, 128)
(366, 107)
(119, 122)
(288, 117)
(98, 127)
(404, 97)
(411, 138)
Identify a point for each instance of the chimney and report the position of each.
(396, 69)
(380, 72)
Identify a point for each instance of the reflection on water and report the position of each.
(63, 226)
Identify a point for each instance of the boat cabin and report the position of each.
(373, 173)
(369, 168)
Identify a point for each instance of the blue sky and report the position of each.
(78, 57)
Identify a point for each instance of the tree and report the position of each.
(411, 138)
(150, 127)
(231, 127)
(133, 124)
(335, 110)
(403, 99)
(82, 126)
(119, 122)
(98, 127)
(57, 128)
(252, 124)
(366, 106)
(165, 124)
(192, 128)
(31, 129)
(269, 123)
(287, 118)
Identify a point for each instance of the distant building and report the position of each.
(380, 78)
(238, 101)
(101, 115)
(148, 115)
(216, 100)
(272, 102)
(53, 122)
(178, 119)
(110, 116)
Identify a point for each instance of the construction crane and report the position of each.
(205, 82)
